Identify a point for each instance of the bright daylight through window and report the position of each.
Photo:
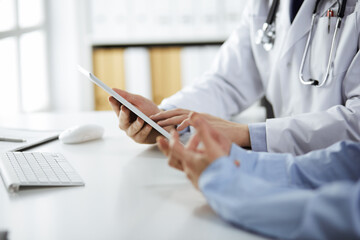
(23, 79)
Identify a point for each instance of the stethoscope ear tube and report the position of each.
(342, 8)
(266, 35)
(273, 9)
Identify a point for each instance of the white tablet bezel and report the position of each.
(123, 101)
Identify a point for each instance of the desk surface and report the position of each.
(129, 193)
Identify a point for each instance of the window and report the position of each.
(23, 56)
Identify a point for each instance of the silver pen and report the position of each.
(8, 139)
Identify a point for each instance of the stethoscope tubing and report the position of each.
(312, 81)
(337, 26)
(270, 39)
(305, 54)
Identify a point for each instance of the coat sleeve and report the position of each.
(277, 205)
(317, 130)
(225, 90)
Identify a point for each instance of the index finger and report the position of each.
(169, 113)
(163, 145)
(193, 143)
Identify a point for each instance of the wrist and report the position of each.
(242, 135)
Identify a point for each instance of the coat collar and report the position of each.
(300, 26)
(302, 23)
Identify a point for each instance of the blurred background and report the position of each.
(148, 47)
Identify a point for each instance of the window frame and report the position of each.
(16, 32)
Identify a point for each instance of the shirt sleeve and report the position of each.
(279, 208)
(338, 162)
(258, 137)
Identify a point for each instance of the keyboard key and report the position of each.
(66, 167)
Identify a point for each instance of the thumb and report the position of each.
(128, 96)
(122, 93)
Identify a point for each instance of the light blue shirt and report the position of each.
(313, 196)
(257, 133)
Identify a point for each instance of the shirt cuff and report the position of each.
(258, 137)
(238, 160)
(209, 178)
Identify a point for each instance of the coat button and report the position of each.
(237, 163)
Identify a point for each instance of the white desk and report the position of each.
(130, 192)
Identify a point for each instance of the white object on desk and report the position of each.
(25, 169)
(33, 138)
(81, 133)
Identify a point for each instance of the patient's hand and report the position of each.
(192, 159)
(236, 132)
(134, 126)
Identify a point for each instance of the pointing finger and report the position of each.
(193, 143)
(208, 137)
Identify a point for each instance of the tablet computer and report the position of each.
(123, 101)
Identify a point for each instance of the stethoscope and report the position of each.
(266, 36)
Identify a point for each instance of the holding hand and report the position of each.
(192, 158)
(134, 126)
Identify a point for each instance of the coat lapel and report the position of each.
(302, 23)
(300, 26)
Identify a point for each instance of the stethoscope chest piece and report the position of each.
(266, 36)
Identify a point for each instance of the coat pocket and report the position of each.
(348, 44)
(344, 49)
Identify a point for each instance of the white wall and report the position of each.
(69, 45)
(163, 21)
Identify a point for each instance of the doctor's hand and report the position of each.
(236, 132)
(192, 158)
(134, 126)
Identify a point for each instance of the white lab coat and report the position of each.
(307, 117)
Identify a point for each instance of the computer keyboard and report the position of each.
(21, 169)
